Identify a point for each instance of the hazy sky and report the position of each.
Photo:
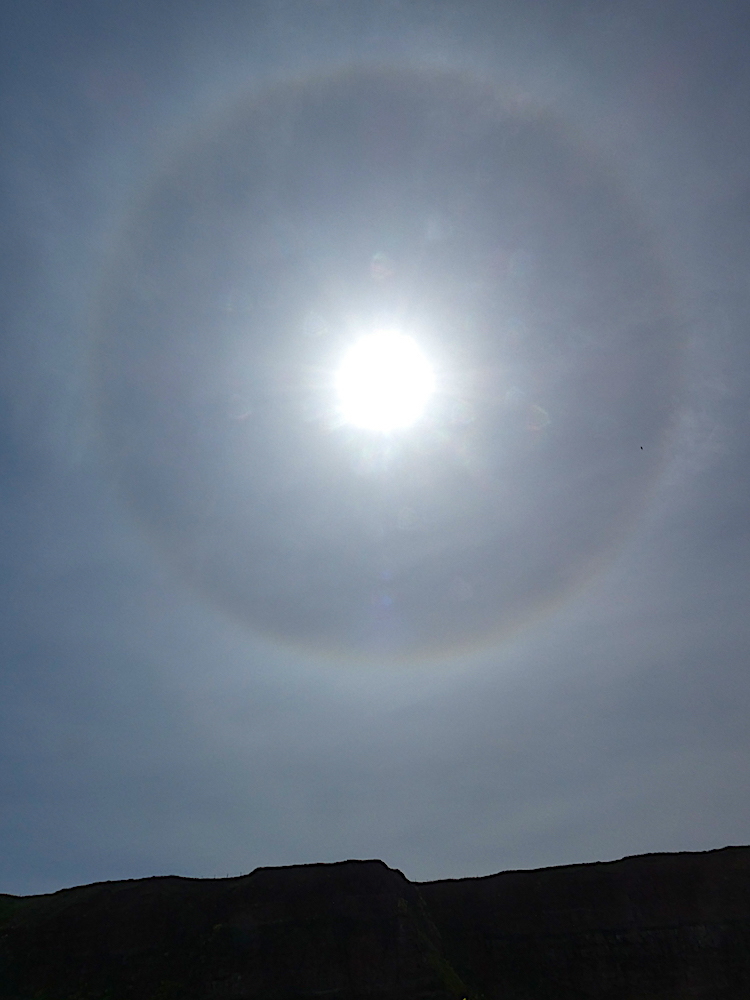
(238, 630)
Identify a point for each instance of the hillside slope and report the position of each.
(658, 927)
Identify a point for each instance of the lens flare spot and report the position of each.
(314, 324)
(538, 418)
(384, 382)
(381, 266)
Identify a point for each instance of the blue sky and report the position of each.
(237, 632)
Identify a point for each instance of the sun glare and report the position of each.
(384, 382)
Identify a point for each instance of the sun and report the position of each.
(384, 382)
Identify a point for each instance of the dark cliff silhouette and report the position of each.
(657, 927)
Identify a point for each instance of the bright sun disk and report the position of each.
(384, 382)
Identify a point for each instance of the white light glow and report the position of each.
(384, 382)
